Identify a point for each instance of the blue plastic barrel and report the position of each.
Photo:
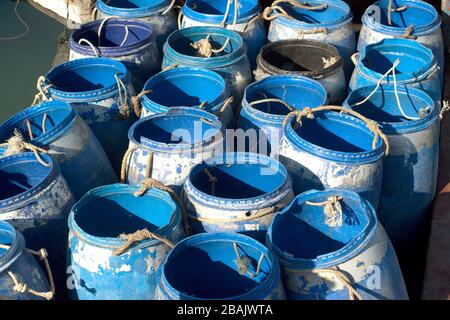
(159, 13)
(130, 41)
(236, 192)
(232, 63)
(331, 247)
(222, 13)
(413, 19)
(410, 170)
(107, 260)
(166, 146)
(267, 102)
(55, 126)
(36, 200)
(189, 87)
(414, 64)
(329, 148)
(312, 59)
(18, 264)
(325, 21)
(100, 91)
(219, 266)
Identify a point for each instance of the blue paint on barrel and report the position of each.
(91, 87)
(332, 24)
(267, 117)
(417, 67)
(422, 16)
(410, 170)
(308, 247)
(167, 145)
(189, 87)
(333, 150)
(246, 191)
(16, 259)
(97, 221)
(232, 63)
(131, 42)
(56, 127)
(158, 13)
(206, 266)
(36, 200)
(204, 13)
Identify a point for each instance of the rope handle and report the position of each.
(252, 215)
(124, 109)
(444, 109)
(309, 114)
(42, 91)
(226, 104)
(94, 13)
(243, 263)
(267, 12)
(332, 210)
(22, 287)
(17, 144)
(268, 100)
(171, 66)
(354, 58)
(138, 236)
(136, 102)
(169, 7)
(390, 10)
(90, 44)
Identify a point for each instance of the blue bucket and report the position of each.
(166, 146)
(267, 102)
(16, 262)
(410, 170)
(189, 87)
(417, 66)
(158, 13)
(219, 266)
(232, 63)
(252, 30)
(101, 266)
(100, 91)
(237, 192)
(347, 253)
(131, 42)
(331, 24)
(56, 127)
(327, 149)
(421, 16)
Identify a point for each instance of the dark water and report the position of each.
(23, 61)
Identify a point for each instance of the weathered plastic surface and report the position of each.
(417, 67)
(267, 118)
(247, 185)
(177, 140)
(67, 138)
(189, 87)
(359, 248)
(21, 263)
(333, 150)
(312, 59)
(232, 63)
(410, 170)
(37, 200)
(131, 42)
(95, 223)
(205, 267)
(211, 13)
(331, 25)
(421, 15)
(157, 12)
(90, 86)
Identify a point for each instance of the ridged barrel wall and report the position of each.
(219, 266)
(104, 261)
(236, 192)
(348, 255)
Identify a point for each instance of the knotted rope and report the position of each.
(268, 100)
(136, 102)
(211, 179)
(390, 10)
(138, 236)
(332, 210)
(243, 263)
(124, 108)
(444, 109)
(16, 144)
(309, 114)
(408, 33)
(267, 13)
(43, 91)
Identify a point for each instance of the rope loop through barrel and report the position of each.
(41, 96)
(267, 12)
(243, 263)
(17, 144)
(136, 102)
(124, 108)
(138, 236)
(332, 210)
(268, 100)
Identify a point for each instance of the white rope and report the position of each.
(123, 99)
(126, 36)
(83, 40)
(169, 7)
(23, 34)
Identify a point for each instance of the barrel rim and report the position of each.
(266, 67)
(50, 135)
(112, 242)
(212, 62)
(260, 291)
(140, 12)
(418, 30)
(16, 249)
(91, 95)
(213, 106)
(339, 256)
(117, 51)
